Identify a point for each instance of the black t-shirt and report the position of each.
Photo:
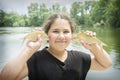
(44, 66)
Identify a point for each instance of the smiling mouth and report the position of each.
(61, 41)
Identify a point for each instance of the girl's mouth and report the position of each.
(60, 41)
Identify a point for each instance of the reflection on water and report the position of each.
(11, 44)
(116, 35)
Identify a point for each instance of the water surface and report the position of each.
(11, 45)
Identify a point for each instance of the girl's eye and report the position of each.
(66, 31)
(55, 31)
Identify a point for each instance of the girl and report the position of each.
(55, 62)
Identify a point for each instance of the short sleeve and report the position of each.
(31, 67)
(86, 63)
(84, 60)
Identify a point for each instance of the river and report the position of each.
(11, 45)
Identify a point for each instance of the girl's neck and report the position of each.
(61, 55)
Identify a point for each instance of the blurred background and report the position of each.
(19, 17)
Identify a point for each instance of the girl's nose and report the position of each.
(61, 36)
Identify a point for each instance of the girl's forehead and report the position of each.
(60, 22)
(60, 27)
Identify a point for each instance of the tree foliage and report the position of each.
(107, 11)
(86, 14)
(113, 13)
(2, 14)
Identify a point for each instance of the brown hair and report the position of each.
(53, 17)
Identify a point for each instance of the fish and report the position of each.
(89, 39)
(32, 36)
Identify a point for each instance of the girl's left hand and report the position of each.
(93, 46)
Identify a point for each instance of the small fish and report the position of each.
(90, 40)
(33, 35)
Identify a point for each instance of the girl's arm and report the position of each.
(16, 68)
(100, 60)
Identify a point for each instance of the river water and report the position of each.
(11, 45)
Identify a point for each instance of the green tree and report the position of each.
(20, 21)
(26, 20)
(77, 12)
(37, 14)
(10, 18)
(56, 8)
(33, 12)
(2, 14)
(108, 12)
(43, 14)
(113, 13)
(98, 12)
(88, 6)
(64, 9)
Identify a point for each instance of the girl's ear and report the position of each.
(73, 36)
(46, 34)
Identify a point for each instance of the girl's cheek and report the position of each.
(69, 36)
(52, 36)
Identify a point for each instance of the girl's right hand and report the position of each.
(34, 46)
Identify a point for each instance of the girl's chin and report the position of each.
(61, 49)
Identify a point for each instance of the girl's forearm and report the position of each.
(14, 66)
(102, 57)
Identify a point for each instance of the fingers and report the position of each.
(29, 43)
(39, 39)
(90, 33)
(88, 46)
(84, 44)
(32, 44)
(37, 29)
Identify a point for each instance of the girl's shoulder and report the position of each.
(79, 54)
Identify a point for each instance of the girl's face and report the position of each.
(59, 34)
